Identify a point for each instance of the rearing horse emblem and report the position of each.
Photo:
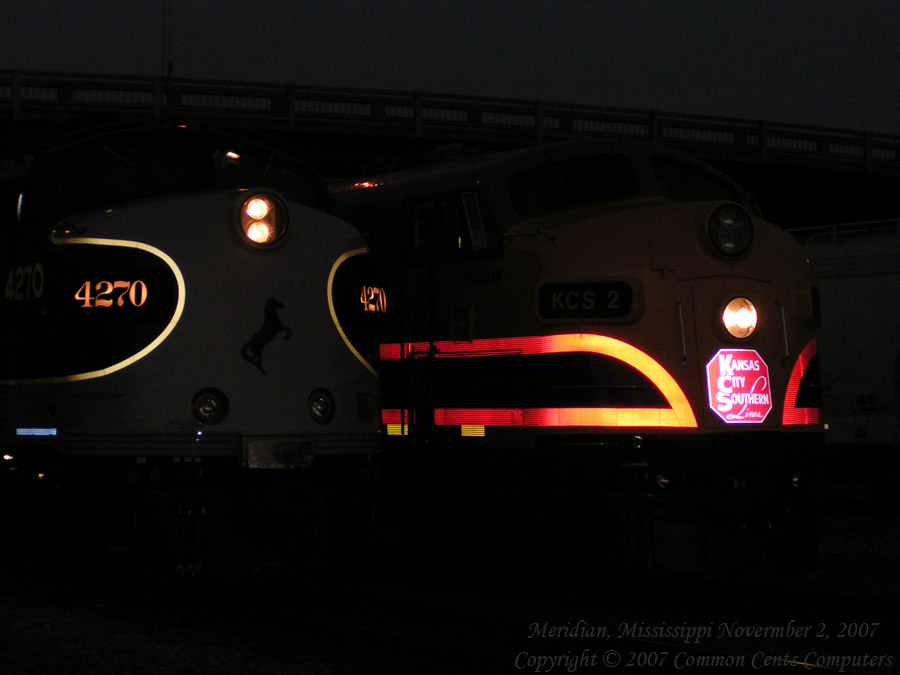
(252, 351)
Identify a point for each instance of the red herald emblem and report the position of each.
(738, 383)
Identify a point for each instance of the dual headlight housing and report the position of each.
(263, 219)
(730, 230)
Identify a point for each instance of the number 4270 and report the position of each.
(373, 299)
(25, 282)
(105, 293)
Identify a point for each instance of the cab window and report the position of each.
(686, 183)
(437, 229)
(572, 183)
(107, 174)
(108, 171)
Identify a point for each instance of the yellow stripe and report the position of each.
(337, 324)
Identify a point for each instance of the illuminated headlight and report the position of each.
(740, 318)
(263, 219)
(730, 229)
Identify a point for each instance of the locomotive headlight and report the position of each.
(321, 406)
(740, 318)
(263, 219)
(210, 406)
(730, 229)
(257, 208)
(259, 232)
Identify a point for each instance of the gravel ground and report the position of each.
(93, 625)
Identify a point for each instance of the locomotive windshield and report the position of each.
(603, 178)
(576, 182)
(107, 171)
(686, 183)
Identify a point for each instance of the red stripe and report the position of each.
(679, 414)
(793, 415)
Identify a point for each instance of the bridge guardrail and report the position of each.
(25, 94)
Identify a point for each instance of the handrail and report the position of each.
(34, 95)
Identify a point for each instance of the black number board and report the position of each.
(589, 300)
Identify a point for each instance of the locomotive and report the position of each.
(612, 322)
(168, 324)
(597, 334)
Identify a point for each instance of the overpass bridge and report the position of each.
(802, 176)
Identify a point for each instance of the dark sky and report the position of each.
(825, 62)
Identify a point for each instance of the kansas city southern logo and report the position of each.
(738, 384)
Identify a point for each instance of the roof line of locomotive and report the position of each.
(20, 162)
(461, 173)
(447, 167)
